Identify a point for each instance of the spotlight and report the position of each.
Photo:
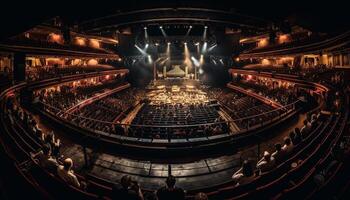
(212, 47)
(169, 43)
(205, 27)
(190, 26)
(195, 61)
(204, 48)
(146, 46)
(185, 43)
(197, 44)
(145, 28)
(157, 44)
(200, 71)
(163, 31)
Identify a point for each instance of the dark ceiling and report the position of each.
(316, 15)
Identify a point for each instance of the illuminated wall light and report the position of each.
(263, 42)
(265, 61)
(283, 38)
(92, 62)
(80, 41)
(94, 43)
(53, 37)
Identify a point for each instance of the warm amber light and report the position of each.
(80, 41)
(94, 43)
(263, 42)
(53, 37)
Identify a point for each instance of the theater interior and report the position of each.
(178, 100)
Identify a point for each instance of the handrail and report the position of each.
(285, 108)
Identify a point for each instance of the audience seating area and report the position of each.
(293, 174)
(309, 162)
(69, 94)
(46, 72)
(176, 116)
(101, 114)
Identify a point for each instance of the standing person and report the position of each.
(170, 191)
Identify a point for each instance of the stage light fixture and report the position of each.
(204, 49)
(169, 43)
(162, 30)
(149, 58)
(145, 28)
(141, 50)
(205, 27)
(200, 71)
(212, 47)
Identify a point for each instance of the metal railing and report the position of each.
(179, 131)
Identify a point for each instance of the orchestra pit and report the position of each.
(175, 100)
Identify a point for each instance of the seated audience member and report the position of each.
(128, 189)
(292, 137)
(45, 160)
(170, 191)
(201, 196)
(278, 154)
(66, 173)
(288, 146)
(54, 144)
(297, 136)
(244, 175)
(305, 130)
(313, 121)
(266, 163)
